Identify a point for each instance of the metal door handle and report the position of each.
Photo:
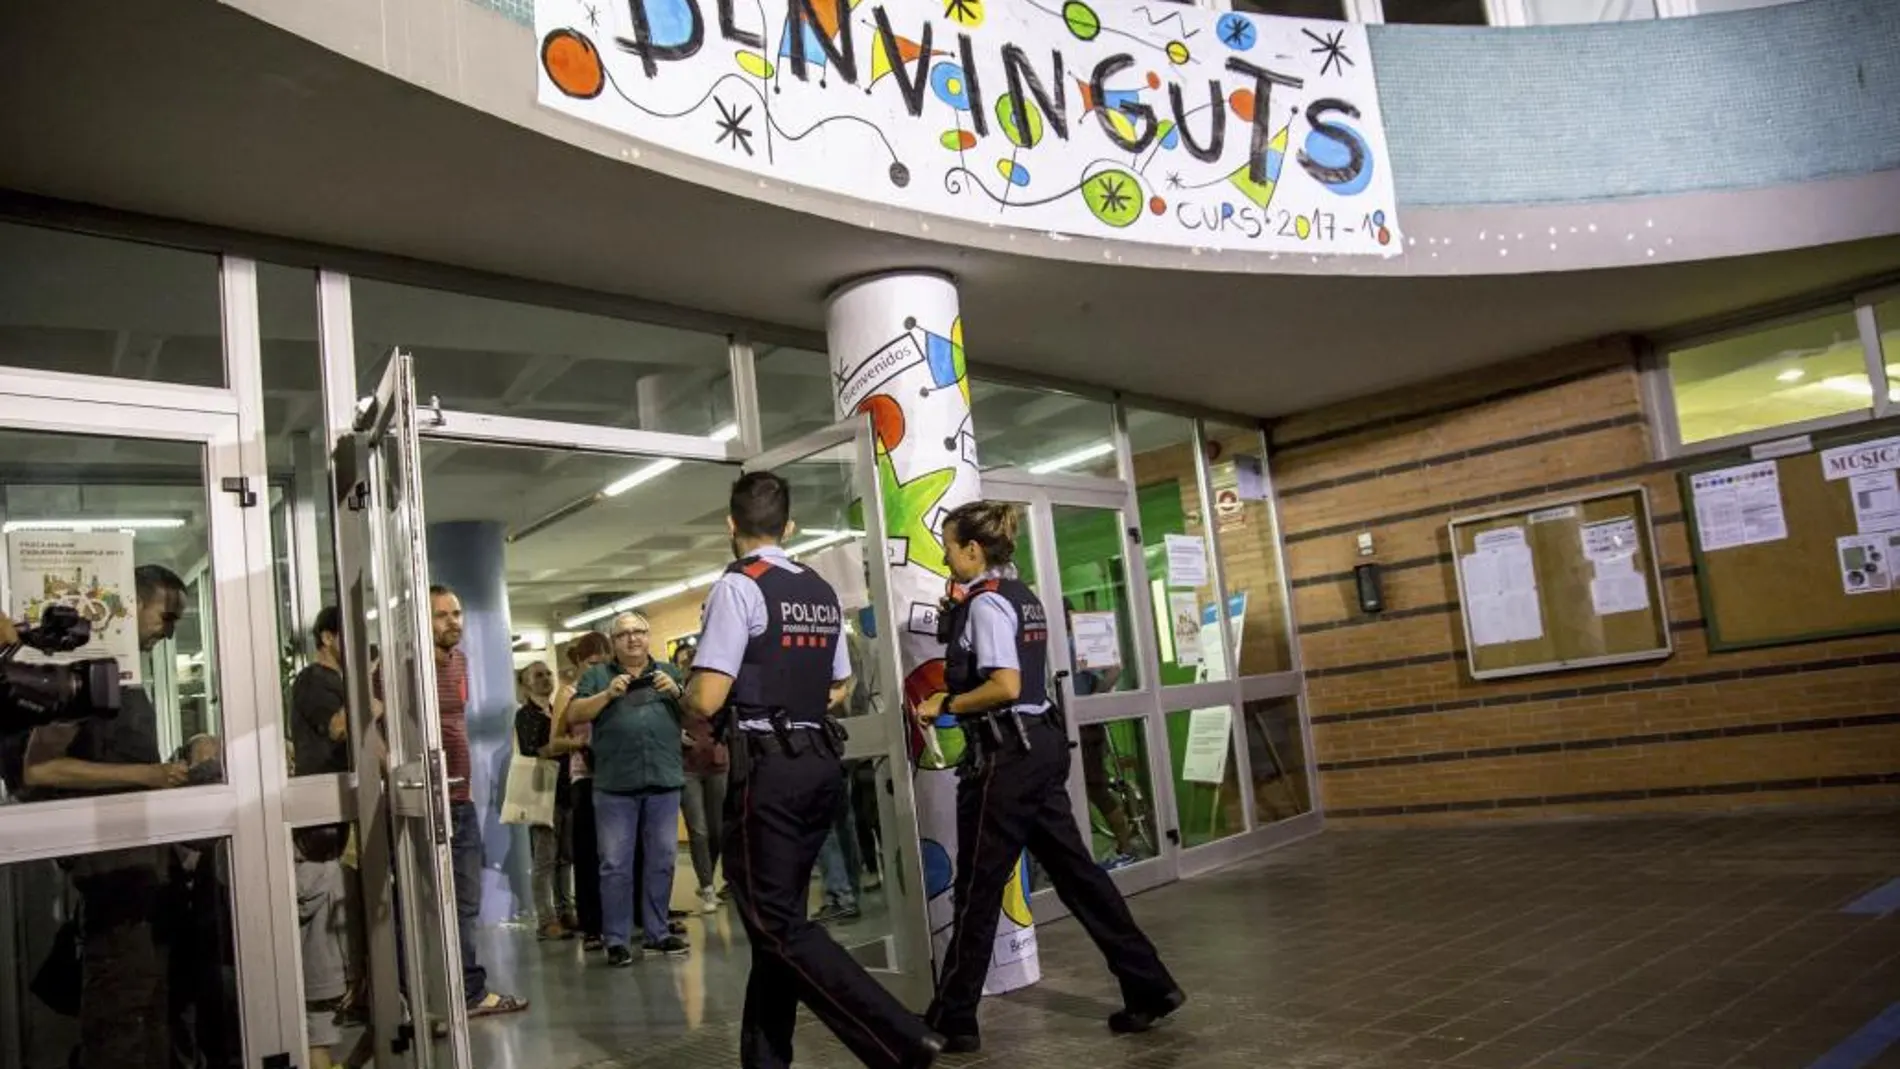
(411, 784)
(453, 780)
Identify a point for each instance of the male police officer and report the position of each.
(771, 663)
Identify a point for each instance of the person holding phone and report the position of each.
(632, 701)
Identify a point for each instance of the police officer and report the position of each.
(1012, 790)
(771, 664)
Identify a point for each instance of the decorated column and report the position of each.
(897, 353)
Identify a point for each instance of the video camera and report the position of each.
(35, 694)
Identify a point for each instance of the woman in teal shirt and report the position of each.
(633, 703)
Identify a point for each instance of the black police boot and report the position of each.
(1143, 1018)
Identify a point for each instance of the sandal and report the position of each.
(493, 1005)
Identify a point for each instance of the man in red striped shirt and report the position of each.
(465, 844)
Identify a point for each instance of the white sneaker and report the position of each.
(708, 900)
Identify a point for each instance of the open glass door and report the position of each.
(391, 666)
(840, 516)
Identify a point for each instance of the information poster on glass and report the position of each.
(87, 571)
(1097, 640)
(1207, 745)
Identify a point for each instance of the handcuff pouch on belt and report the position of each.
(740, 743)
(985, 735)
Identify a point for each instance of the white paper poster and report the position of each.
(842, 566)
(1184, 608)
(1097, 640)
(1876, 497)
(1609, 539)
(1250, 478)
(1618, 587)
(90, 571)
(1187, 561)
(1500, 589)
(1861, 458)
(1209, 733)
(1739, 506)
(1867, 562)
(1552, 515)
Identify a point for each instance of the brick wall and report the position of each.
(1403, 734)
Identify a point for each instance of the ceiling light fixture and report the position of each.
(147, 523)
(1793, 374)
(704, 579)
(1070, 460)
(1849, 384)
(724, 433)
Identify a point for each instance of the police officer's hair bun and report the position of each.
(990, 524)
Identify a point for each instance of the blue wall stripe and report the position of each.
(1878, 902)
(1865, 1045)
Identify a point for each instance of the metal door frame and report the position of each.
(237, 545)
(913, 979)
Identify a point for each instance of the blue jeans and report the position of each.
(465, 847)
(652, 821)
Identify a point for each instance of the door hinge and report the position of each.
(430, 415)
(241, 486)
(358, 497)
(277, 1061)
(1174, 836)
(1134, 535)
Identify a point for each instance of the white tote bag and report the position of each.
(530, 797)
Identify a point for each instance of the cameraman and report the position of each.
(130, 899)
(100, 756)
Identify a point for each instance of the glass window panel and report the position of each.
(1887, 316)
(796, 392)
(1206, 785)
(96, 306)
(332, 954)
(1089, 552)
(1042, 431)
(147, 978)
(506, 358)
(78, 513)
(1120, 792)
(1555, 12)
(1168, 489)
(1770, 378)
(302, 536)
(1437, 12)
(1276, 753)
(1300, 9)
(1249, 548)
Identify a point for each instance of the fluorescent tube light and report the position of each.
(703, 579)
(649, 472)
(1793, 374)
(149, 523)
(1070, 460)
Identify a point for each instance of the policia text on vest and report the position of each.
(771, 664)
(1012, 792)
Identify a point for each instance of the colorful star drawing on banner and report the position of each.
(915, 501)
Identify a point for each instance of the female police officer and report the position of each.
(1013, 786)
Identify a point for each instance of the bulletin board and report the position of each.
(1565, 584)
(1798, 547)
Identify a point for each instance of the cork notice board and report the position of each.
(1570, 584)
(1767, 539)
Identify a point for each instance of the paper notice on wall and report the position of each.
(1187, 561)
(1867, 561)
(1561, 512)
(1739, 506)
(1861, 458)
(90, 571)
(1876, 501)
(1250, 478)
(1184, 609)
(1610, 539)
(1500, 589)
(1097, 640)
(1617, 587)
(1208, 736)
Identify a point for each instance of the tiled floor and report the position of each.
(1653, 943)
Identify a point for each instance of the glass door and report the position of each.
(417, 1010)
(1080, 564)
(126, 814)
(840, 517)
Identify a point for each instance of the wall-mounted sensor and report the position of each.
(1365, 543)
(1366, 579)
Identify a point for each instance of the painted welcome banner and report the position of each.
(1142, 121)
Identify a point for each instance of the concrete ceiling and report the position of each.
(196, 112)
